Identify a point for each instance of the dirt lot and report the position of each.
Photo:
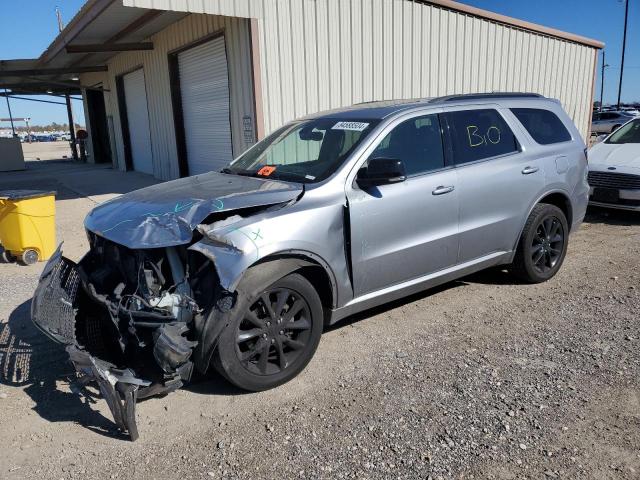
(483, 378)
(46, 150)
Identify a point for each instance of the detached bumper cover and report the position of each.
(53, 311)
(118, 387)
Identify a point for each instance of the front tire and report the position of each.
(543, 244)
(272, 335)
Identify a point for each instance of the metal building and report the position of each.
(178, 87)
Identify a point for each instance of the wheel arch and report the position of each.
(264, 270)
(558, 198)
(311, 266)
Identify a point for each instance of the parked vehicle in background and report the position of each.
(630, 111)
(46, 138)
(66, 137)
(330, 215)
(607, 122)
(614, 169)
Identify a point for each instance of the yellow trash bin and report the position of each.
(27, 224)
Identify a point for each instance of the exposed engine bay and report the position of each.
(127, 318)
(148, 303)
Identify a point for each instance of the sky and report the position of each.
(601, 20)
(26, 33)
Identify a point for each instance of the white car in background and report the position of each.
(631, 111)
(614, 169)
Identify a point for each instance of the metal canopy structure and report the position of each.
(100, 30)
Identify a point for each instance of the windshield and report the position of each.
(628, 133)
(307, 151)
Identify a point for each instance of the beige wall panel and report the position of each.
(319, 54)
(155, 64)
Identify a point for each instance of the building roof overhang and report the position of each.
(100, 30)
(103, 28)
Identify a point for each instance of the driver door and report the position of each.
(405, 230)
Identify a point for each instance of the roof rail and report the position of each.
(480, 96)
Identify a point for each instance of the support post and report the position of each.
(624, 45)
(72, 129)
(604, 65)
(13, 128)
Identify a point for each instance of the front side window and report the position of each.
(307, 151)
(417, 142)
(544, 126)
(479, 134)
(628, 133)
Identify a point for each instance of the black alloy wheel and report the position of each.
(542, 245)
(274, 332)
(548, 244)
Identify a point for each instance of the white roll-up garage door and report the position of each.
(135, 95)
(204, 89)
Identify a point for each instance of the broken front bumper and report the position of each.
(54, 310)
(118, 387)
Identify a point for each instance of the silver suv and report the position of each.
(609, 122)
(328, 216)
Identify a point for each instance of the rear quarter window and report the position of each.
(479, 134)
(544, 126)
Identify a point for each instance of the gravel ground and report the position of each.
(482, 378)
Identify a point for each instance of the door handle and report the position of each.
(529, 170)
(442, 190)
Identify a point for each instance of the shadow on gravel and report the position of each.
(493, 276)
(610, 216)
(213, 384)
(395, 304)
(31, 361)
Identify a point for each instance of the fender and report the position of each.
(546, 193)
(255, 278)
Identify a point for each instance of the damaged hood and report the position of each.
(166, 214)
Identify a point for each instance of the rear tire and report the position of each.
(542, 246)
(615, 127)
(272, 334)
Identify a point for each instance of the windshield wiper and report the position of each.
(244, 173)
(286, 176)
(291, 176)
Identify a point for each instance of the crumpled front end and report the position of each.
(126, 317)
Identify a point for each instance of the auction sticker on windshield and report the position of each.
(267, 170)
(354, 126)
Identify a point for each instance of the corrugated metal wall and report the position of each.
(155, 64)
(321, 54)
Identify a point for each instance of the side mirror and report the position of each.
(381, 171)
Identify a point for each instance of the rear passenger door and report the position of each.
(496, 181)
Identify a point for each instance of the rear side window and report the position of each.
(543, 126)
(479, 134)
